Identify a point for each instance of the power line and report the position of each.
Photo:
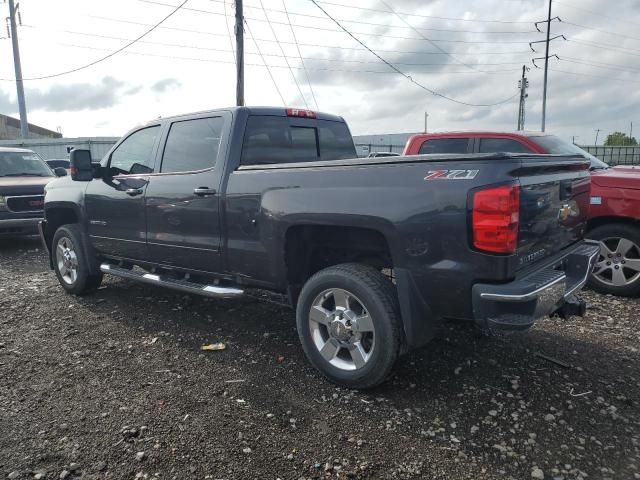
(230, 62)
(426, 16)
(598, 14)
(361, 22)
(115, 52)
(400, 72)
(311, 27)
(581, 74)
(601, 31)
(226, 24)
(224, 50)
(604, 46)
(295, 79)
(275, 84)
(425, 38)
(311, 45)
(604, 66)
(304, 67)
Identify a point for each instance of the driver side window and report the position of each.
(135, 154)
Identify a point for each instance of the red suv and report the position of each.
(614, 206)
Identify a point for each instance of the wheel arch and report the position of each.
(596, 222)
(57, 214)
(305, 254)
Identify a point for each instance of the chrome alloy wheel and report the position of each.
(619, 262)
(341, 329)
(67, 260)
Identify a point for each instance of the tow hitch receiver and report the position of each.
(572, 306)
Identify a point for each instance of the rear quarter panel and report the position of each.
(424, 221)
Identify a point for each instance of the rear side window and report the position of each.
(445, 145)
(493, 145)
(336, 142)
(271, 139)
(135, 154)
(192, 145)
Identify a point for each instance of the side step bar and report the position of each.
(181, 285)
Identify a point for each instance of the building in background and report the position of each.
(386, 142)
(59, 148)
(10, 129)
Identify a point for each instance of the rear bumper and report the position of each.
(518, 304)
(19, 226)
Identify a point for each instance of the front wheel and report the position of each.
(617, 270)
(349, 325)
(70, 262)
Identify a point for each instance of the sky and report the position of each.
(440, 55)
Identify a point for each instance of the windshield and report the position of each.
(555, 145)
(23, 164)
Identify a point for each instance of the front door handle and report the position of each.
(132, 192)
(204, 191)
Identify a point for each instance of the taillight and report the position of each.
(495, 219)
(297, 112)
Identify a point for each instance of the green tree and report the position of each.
(616, 139)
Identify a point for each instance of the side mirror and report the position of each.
(81, 167)
(60, 172)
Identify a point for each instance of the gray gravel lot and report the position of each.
(114, 386)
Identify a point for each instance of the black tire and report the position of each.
(88, 276)
(377, 295)
(601, 283)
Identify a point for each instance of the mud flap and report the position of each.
(419, 322)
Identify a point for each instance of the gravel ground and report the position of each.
(114, 386)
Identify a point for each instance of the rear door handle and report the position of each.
(204, 191)
(132, 192)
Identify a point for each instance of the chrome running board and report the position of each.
(215, 291)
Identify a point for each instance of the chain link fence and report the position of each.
(615, 155)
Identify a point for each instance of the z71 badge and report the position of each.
(451, 174)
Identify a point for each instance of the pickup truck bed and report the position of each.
(373, 252)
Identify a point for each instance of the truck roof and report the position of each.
(15, 150)
(522, 133)
(273, 111)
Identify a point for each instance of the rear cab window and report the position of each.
(444, 145)
(506, 145)
(272, 140)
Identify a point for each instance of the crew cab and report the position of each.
(373, 253)
(614, 212)
(23, 175)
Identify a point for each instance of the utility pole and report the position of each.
(546, 70)
(523, 84)
(239, 54)
(24, 126)
(597, 132)
(426, 116)
(546, 59)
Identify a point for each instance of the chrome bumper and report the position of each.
(517, 305)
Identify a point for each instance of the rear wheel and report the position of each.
(73, 268)
(617, 270)
(349, 325)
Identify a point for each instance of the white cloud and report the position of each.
(189, 66)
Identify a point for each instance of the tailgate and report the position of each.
(554, 203)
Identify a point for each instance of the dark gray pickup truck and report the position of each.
(372, 252)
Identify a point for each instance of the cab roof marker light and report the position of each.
(298, 112)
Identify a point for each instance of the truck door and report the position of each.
(115, 203)
(183, 200)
